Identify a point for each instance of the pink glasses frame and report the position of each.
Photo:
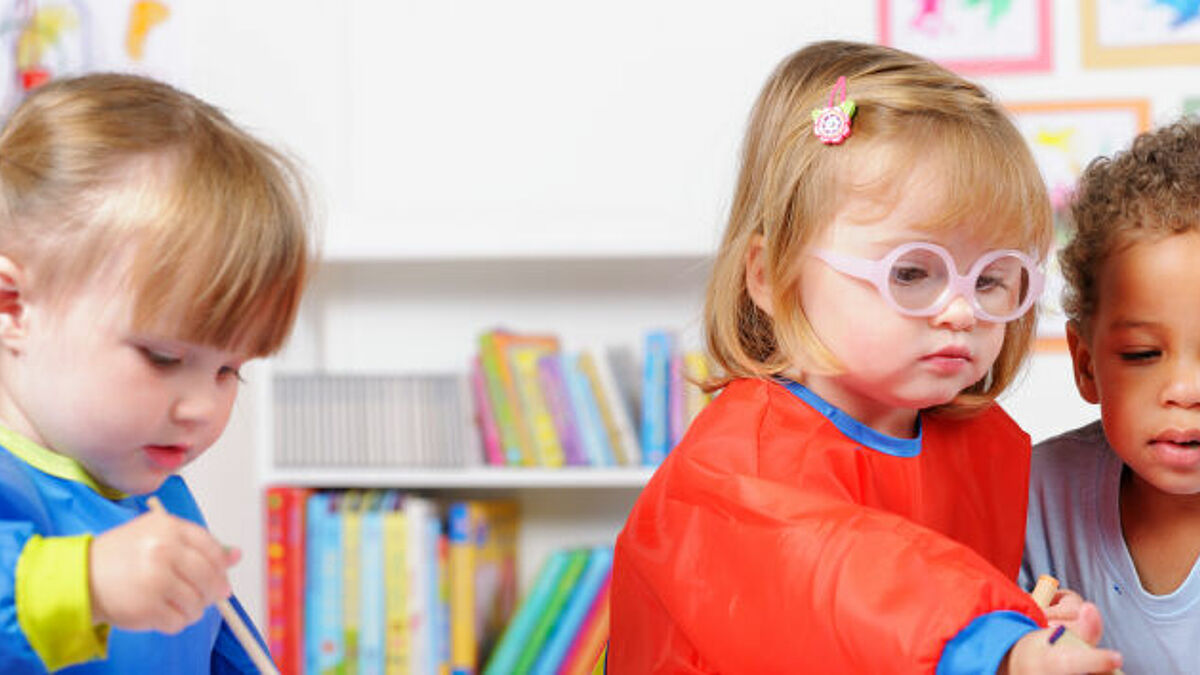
(876, 272)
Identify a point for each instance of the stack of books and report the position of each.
(561, 625)
(538, 405)
(374, 581)
(352, 421)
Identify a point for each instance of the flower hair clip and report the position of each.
(831, 124)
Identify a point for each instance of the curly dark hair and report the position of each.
(1150, 191)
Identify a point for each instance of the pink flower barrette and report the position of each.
(831, 124)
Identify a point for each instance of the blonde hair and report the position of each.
(1147, 192)
(217, 220)
(791, 186)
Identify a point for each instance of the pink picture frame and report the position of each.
(978, 39)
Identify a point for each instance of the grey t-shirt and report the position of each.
(1073, 533)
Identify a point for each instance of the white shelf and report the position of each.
(473, 478)
(365, 240)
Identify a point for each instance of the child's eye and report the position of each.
(1140, 355)
(910, 274)
(159, 359)
(986, 283)
(230, 371)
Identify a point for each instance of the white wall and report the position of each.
(459, 131)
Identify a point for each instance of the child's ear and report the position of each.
(12, 304)
(757, 284)
(1081, 357)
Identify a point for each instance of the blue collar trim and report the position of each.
(855, 430)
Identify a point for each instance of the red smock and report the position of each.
(771, 542)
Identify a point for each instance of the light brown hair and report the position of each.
(1150, 191)
(791, 186)
(217, 219)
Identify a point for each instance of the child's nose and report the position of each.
(957, 314)
(1183, 389)
(195, 406)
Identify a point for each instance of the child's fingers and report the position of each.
(1088, 624)
(1064, 607)
(1071, 654)
(183, 606)
(1080, 658)
(202, 541)
(206, 581)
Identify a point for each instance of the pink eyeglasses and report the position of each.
(920, 279)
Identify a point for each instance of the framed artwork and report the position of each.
(971, 36)
(1140, 32)
(41, 41)
(1064, 137)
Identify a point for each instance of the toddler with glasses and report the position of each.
(1114, 506)
(854, 500)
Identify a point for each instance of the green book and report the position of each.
(576, 561)
(504, 657)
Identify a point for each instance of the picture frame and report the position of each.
(1121, 33)
(1064, 136)
(40, 42)
(971, 37)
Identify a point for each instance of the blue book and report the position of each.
(437, 598)
(370, 641)
(323, 649)
(599, 565)
(596, 446)
(656, 429)
(508, 650)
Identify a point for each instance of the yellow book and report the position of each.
(515, 433)
(547, 447)
(496, 570)
(395, 586)
(352, 506)
(696, 370)
(462, 520)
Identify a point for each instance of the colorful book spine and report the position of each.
(588, 647)
(503, 660)
(417, 513)
(503, 393)
(558, 400)
(576, 561)
(656, 433)
(595, 574)
(295, 564)
(460, 522)
(593, 433)
(374, 615)
(547, 448)
(351, 591)
(278, 501)
(495, 569)
(676, 400)
(395, 584)
(696, 369)
(587, 366)
(437, 597)
(614, 406)
(485, 417)
(323, 626)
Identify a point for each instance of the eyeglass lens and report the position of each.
(918, 279)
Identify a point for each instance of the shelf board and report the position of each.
(475, 477)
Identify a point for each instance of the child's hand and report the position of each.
(1081, 618)
(157, 572)
(1034, 653)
